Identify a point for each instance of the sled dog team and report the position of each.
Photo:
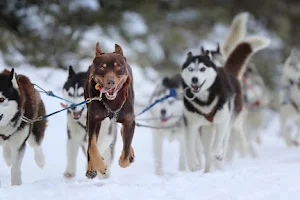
(211, 115)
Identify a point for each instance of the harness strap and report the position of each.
(208, 116)
(82, 126)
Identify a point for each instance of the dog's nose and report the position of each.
(194, 80)
(163, 111)
(73, 107)
(111, 82)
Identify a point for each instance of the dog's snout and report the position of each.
(73, 107)
(111, 82)
(194, 80)
(163, 111)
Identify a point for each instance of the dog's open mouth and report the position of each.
(165, 118)
(196, 88)
(77, 114)
(111, 93)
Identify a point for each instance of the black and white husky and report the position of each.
(18, 101)
(168, 115)
(76, 125)
(213, 99)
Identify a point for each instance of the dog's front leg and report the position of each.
(157, 147)
(190, 145)
(222, 130)
(127, 131)
(95, 160)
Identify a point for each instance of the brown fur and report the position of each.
(31, 105)
(235, 64)
(119, 73)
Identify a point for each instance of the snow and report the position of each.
(273, 175)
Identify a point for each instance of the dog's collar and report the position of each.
(113, 114)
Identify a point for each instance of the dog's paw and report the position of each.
(218, 153)
(69, 174)
(131, 155)
(219, 157)
(125, 162)
(91, 174)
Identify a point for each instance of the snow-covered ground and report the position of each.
(275, 174)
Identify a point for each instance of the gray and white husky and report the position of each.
(289, 93)
(213, 99)
(76, 125)
(19, 100)
(168, 115)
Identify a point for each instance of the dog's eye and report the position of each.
(2, 100)
(202, 69)
(190, 69)
(70, 94)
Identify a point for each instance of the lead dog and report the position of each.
(110, 80)
(213, 99)
(76, 125)
(19, 99)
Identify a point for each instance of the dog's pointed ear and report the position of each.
(98, 50)
(13, 78)
(189, 55)
(118, 49)
(218, 48)
(91, 72)
(202, 50)
(71, 71)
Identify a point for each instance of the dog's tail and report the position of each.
(236, 33)
(238, 58)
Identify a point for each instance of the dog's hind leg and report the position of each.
(232, 140)
(181, 165)
(286, 132)
(7, 154)
(157, 148)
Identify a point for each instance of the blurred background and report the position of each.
(155, 35)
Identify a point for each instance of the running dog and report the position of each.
(213, 99)
(110, 81)
(73, 90)
(289, 107)
(168, 116)
(19, 101)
